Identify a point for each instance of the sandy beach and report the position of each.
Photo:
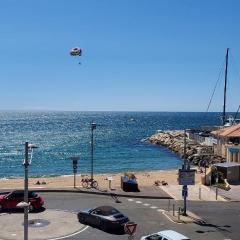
(143, 179)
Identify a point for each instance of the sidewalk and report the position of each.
(195, 193)
(177, 218)
(151, 192)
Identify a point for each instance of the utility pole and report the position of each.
(225, 89)
(93, 126)
(185, 188)
(26, 164)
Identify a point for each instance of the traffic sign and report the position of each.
(186, 177)
(184, 191)
(130, 228)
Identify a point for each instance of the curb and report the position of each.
(191, 218)
(96, 193)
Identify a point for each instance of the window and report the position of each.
(154, 237)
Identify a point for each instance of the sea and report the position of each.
(119, 141)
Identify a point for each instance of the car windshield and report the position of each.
(154, 237)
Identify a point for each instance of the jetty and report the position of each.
(196, 151)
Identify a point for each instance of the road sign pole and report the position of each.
(74, 164)
(185, 167)
(185, 203)
(74, 179)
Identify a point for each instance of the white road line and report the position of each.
(130, 200)
(160, 210)
(170, 218)
(69, 235)
(146, 204)
(138, 202)
(153, 207)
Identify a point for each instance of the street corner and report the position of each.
(181, 219)
(41, 226)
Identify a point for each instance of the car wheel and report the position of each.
(31, 208)
(1, 207)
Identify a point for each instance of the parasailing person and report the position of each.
(76, 52)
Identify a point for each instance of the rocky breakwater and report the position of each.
(195, 152)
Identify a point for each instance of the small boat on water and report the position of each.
(132, 119)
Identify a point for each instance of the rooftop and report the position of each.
(227, 164)
(232, 131)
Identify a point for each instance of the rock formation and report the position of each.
(196, 153)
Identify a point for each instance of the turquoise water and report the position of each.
(118, 144)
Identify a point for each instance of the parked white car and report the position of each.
(165, 235)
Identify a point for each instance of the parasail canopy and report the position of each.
(76, 51)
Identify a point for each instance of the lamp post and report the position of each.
(185, 188)
(93, 126)
(28, 147)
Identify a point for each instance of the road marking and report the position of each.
(130, 200)
(146, 204)
(160, 210)
(169, 218)
(138, 202)
(153, 207)
(69, 235)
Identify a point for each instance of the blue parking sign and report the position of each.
(184, 191)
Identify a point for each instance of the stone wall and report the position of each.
(195, 152)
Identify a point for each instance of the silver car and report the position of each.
(165, 235)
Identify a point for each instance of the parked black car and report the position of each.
(106, 218)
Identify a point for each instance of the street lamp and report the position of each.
(93, 126)
(28, 151)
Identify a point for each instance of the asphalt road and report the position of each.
(222, 218)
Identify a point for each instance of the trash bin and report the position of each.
(129, 185)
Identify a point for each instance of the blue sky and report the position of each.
(138, 55)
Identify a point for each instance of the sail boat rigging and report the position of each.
(225, 90)
(226, 121)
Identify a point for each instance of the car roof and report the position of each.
(173, 235)
(20, 191)
(106, 209)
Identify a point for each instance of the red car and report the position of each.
(10, 200)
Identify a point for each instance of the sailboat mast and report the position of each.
(225, 89)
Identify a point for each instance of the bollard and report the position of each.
(200, 192)
(216, 193)
(168, 205)
(179, 213)
(173, 206)
(110, 182)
